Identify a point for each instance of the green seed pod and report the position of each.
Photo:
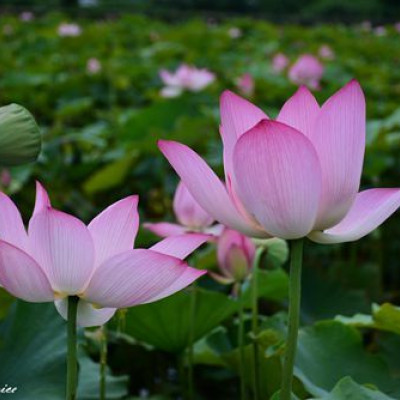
(20, 140)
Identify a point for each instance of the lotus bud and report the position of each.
(235, 257)
(20, 139)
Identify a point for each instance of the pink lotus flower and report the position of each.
(60, 256)
(307, 70)
(93, 66)
(185, 77)
(65, 29)
(245, 84)
(279, 62)
(235, 257)
(294, 177)
(191, 217)
(326, 52)
(380, 31)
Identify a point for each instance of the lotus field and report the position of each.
(198, 209)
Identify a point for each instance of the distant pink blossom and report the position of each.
(60, 256)
(190, 216)
(279, 62)
(380, 31)
(245, 84)
(326, 52)
(185, 77)
(93, 66)
(66, 29)
(235, 253)
(307, 70)
(171, 91)
(235, 32)
(5, 177)
(26, 16)
(397, 26)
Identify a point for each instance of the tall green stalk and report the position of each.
(181, 358)
(241, 344)
(254, 321)
(103, 361)
(294, 317)
(72, 360)
(191, 342)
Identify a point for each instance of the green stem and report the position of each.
(241, 344)
(103, 361)
(181, 373)
(254, 321)
(72, 361)
(294, 317)
(191, 342)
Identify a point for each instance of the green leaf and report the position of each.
(329, 351)
(385, 317)
(33, 342)
(33, 356)
(206, 354)
(20, 139)
(270, 368)
(145, 125)
(357, 320)
(218, 350)
(89, 382)
(151, 398)
(316, 304)
(276, 396)
(393, 120)
(6, 300)
(166, 323)
(24, 79)
(74, 107)
(272, 285)
(110, 176)
(347, 389)
(277, 250)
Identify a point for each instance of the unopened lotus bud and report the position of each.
(20, 140)
(238, 262)
(235, 257)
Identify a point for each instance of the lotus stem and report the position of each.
(191, 342)
(254, 321)
(103, 361)
(72, 360)
(294, 317)
(241, 344)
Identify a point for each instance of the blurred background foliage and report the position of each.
(99, 144)
(306, 10)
